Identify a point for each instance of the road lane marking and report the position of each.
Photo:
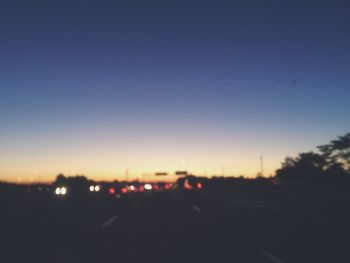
(109, 222)
(271, 257)
(196, 208)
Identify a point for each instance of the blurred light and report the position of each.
(111, 190)
(63, 190)
(91, 188)
(132, 188)
(156, 187)
(199, 185)
(124, 190)
(148, 186)
(58, 191)
(167, 186)
(187, 185)
(97, 188)
(141, 188)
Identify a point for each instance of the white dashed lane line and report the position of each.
(196, 208)
(271, 257)
(109, 222)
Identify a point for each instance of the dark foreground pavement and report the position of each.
(172, 227)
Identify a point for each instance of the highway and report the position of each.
(173, 227)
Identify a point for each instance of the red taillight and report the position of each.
(155, 187)
(199, 185)
(124, 190)
(167, 186)
(111, 190)
(141, 188)
(187, 186)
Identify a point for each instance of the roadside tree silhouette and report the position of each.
(306, 167)
(338, 151)
(60, 179)
(331, 165)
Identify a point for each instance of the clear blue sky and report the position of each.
(96, 87)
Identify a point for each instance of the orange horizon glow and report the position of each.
(126, 176)
(46, 176)
(105, 154)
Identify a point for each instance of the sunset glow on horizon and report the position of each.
(108, 156)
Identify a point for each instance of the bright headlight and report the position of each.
(97, 188)
(63, 190)
(58, 191)
(91, 188)
(148, 186)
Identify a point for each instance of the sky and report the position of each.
(98, 87)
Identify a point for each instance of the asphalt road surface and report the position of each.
(173, 227)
